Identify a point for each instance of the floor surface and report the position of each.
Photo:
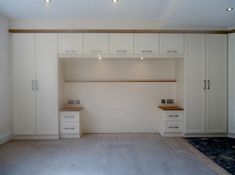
(101, 154)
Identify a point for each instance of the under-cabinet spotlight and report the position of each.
(100, 58)
(47, 1)
(142, 58)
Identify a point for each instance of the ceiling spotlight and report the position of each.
(100, 58)
(115, 1)
(142, 58)
(229, 9)
(47, 1)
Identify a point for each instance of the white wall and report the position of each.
(119, 107)
(5, 79)
(231, 94)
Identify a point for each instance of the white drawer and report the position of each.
(173, 127)
(70, 128)
(173, 116)
(69, 117)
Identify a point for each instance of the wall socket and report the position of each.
(72, 101)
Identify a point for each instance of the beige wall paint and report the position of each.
(5, 79)
(119, 107)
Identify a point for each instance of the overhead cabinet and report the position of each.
(96, 43)
(171, 43)
(35, 84)
(121, 43)
(147, 43)
(206, 83)
(70, 43)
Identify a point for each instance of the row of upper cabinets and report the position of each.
(120, 44)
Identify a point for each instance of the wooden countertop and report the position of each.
(170, 108)
(72, 109)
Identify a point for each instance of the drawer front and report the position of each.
(173, 116)
(69, 128)
(69, 117)
(173, 127)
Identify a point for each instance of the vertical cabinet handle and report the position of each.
(36, 84)
(208, 84)
(33, 85)
(204, 85)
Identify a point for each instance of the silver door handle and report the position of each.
(204, 85)
(33, 85)
(37, 85)
(208, 84)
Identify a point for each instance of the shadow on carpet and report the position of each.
(220, 150)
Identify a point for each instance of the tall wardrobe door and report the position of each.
(195, 76)
(24, 93)
(47, 84)
(216, 110)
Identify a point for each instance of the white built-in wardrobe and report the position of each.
(35, 85)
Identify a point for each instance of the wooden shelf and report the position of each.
(170, 108)
(124, 81)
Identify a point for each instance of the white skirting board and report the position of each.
(205, 135)
(32, 137)
(5, 137)
(231, 135)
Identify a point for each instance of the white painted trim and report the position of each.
(5, 137)
(34, 137)
(231, 135)
(205, 135)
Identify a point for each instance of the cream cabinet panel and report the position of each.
(171, 43)
(217, 83)
(70, 43)
(231, 81)
(147, 43)
(47, 84)
(96, 43)
(24, 84)
(121, 43)
(195, 73)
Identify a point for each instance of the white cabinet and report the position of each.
(35, 84)
(231, 81)
(70, 43)
(96, 43)
(206, 97)
(171, 123)
(121, 43)
(70, 124)
(171, 43)
(146, 43)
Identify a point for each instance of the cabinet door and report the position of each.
(195, 76)
(146, 43)
(171, 43)
(121, 43)
(24, 93)
(47, 84)
(95, 43)
(231, 81)
(70, 43)
(217, 88)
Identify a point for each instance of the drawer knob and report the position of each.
(69, 128)
(173, 115)
(69, 116)
(173, 127)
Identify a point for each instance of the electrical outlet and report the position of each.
(170, 101)
(163, 101)
(77, 101)
(70, 102)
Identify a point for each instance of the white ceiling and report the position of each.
(193, 14)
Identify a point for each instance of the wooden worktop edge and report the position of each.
(118, 31)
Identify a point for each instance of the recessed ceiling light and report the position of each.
(100, 58)
(115, 1)
(229, 9)
(47, 1)
(142, 58)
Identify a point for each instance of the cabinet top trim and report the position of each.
(117, 31)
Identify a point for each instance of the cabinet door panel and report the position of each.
(70, 43)
(195, 73)
(217, 75)
(147, 43)
(95, 43)
(121, 43)
(47, 77)
(24, 74)
(171, 43)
